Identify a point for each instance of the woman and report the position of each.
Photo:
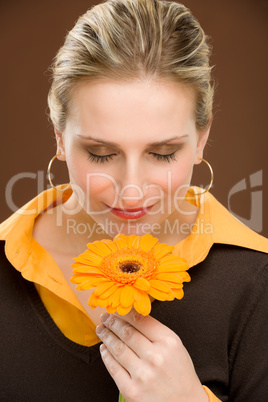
(131, 103)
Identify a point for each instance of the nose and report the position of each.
(131, 195)
(132, 185)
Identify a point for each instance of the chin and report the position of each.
(136, 228)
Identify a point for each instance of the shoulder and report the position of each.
(229, 230)
(8, 225)
(236, 260)
(230, 268)
(7, 275)
(23, 218)
(231, 253)
(234, 273)
(2, 251)
(229, 285)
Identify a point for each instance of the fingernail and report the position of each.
(104, 317)
(99, 329)
(103, 350)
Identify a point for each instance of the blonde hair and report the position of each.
(134, 39)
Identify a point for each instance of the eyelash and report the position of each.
(97, 158)
(106, 158)
(166, 158)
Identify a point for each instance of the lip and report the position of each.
(133, 213)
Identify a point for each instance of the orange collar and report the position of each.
(214, 224)
(27, 255)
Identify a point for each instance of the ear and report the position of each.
(60, 145)
(202, 140)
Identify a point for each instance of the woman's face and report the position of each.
(130, 148)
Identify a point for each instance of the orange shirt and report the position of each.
(214, 224)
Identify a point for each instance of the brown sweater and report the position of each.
(222, 321)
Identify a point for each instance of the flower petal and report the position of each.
(169, 277)
(160, 274)
(78, 278)
(102, 246)
(160, 250)
(93, 301)
(102, 303)
(176, 261)
(184, 276)
(130, 240)
(110, 244)
(92, 248)
(85, 285)
(110, 309)
(86, 261)
(123, 310)
(172, 285)
(136, 242)
(87, 269)
(157, 294)
(143, 306)
(138, 294)
(142, 284)
(147, 242)
(122, 236)
(171, 296)
(89, 257)
(178, 293)
(159, 285)
(91, 283)
(109, 292)
(120, 243)
(170, 268)
(127, 296)
(114, 300)
(103, 287)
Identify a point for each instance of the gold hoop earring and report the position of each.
(49, 175)
(211, 179)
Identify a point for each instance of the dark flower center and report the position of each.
(130, 267)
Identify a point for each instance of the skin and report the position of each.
(132, 115)
(146, 359)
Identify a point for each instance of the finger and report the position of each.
(120, 376)
(118, 349)
(127, 333)
(148, 326)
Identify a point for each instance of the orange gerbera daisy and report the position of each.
(127, 270)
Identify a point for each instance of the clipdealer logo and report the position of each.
(155, 229)
(252, 185)
(255, 181)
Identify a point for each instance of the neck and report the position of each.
(82, 229)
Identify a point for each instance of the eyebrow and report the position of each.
(113, 144)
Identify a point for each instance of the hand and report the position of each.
(147, 360)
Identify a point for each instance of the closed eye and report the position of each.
(166, 158)
(106, 158)
(99, 158)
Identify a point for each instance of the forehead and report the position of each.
(148, 106)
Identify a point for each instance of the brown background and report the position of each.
(31, 33)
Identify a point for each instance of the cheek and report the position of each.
(96, 183)
(175, 178)
(88, 176)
